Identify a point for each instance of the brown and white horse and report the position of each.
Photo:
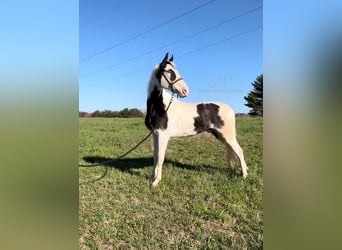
(171, 118)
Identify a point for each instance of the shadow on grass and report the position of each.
(129, 165)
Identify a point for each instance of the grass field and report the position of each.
(199, 203)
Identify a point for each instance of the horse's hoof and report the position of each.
(154, 184)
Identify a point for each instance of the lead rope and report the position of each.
(171, 100)
(123, 155)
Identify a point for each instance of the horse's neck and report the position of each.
(166, 97)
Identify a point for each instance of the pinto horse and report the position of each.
(167, 117)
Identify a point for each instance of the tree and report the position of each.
(124, 113)
(255, 97)
(96, 114)
(135, 113)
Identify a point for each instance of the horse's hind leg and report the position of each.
(230, 155)
(232, 146)
(238, 150)
(229, 150)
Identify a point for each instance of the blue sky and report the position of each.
(217, 46)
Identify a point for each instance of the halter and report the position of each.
(171, 83)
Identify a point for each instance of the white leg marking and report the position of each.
(160, 145)
(238, 150)
(235, 147)
(155, 157)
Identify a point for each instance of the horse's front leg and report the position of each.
(160, 141)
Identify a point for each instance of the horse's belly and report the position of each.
(182, 129)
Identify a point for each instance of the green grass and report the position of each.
(199, 203)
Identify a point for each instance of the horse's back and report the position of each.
(224, 110)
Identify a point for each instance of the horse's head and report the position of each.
(169, 77)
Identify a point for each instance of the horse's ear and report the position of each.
(171, 59)
(165, 58)
(162, 65)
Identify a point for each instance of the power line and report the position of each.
(146, 31)
(221, 41)
(175, 42)
(116, 7)
(184, 54)
(119, 76)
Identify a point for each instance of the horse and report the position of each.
(167, 117)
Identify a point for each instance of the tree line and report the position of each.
(125, 113)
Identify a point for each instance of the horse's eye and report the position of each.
(173, 75)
